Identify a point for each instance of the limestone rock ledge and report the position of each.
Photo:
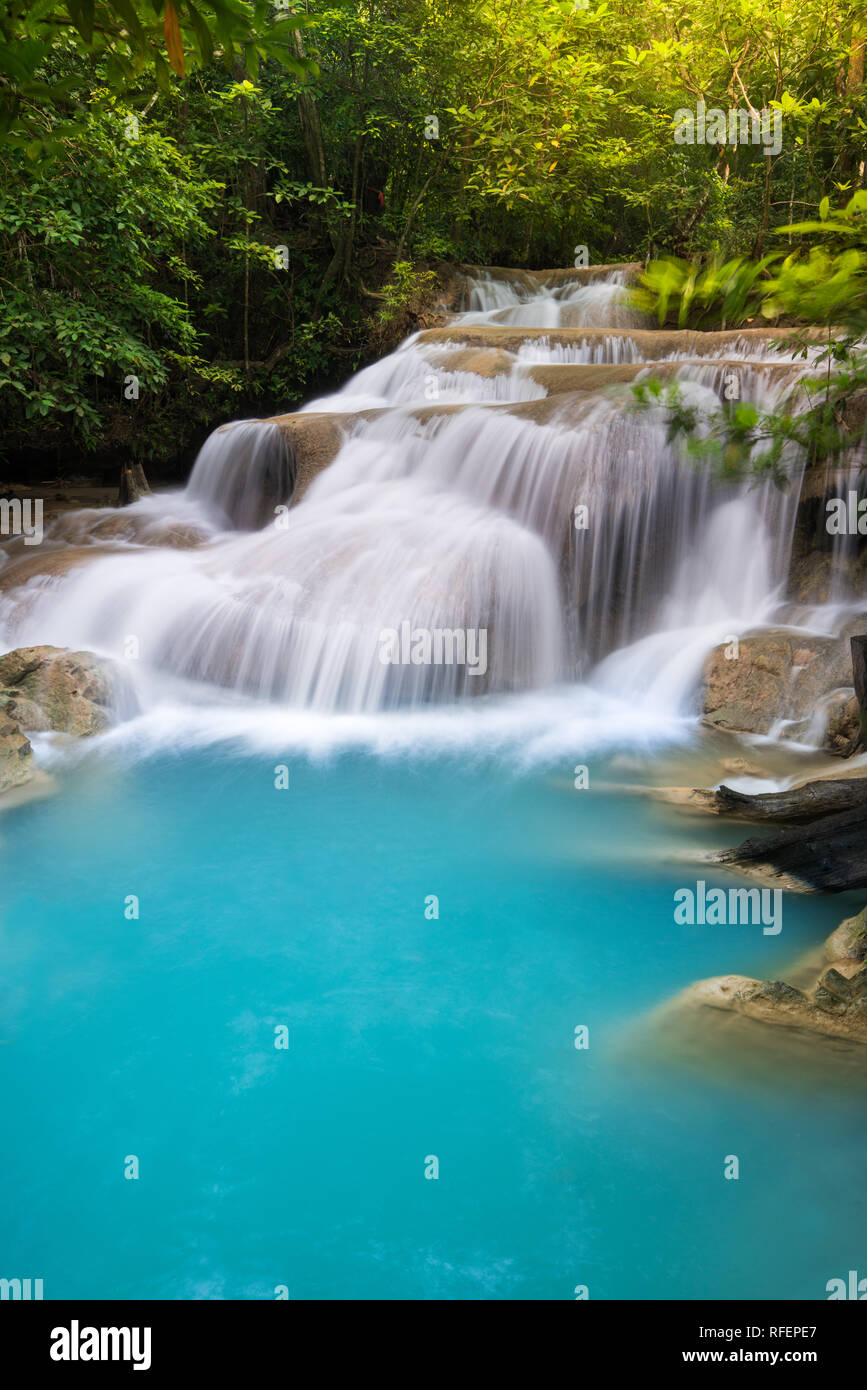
(835, 1005)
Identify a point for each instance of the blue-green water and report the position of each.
(409, 1037)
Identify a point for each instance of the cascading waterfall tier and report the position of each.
(478, 489)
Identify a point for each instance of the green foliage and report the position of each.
(154, 153)
(821, 286)
(729, 292)
(124, 40)
(406, 284)
(78, 248)
(828, 285)
(738, 440)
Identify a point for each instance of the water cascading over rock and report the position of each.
(490, 475)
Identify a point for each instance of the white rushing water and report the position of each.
(597, 564)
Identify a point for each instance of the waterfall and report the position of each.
(494, 482)
(596, 304)
(242, 472)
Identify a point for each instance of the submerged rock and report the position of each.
(835, 1007)
(652, 343)
(127, 525)
(50, 688)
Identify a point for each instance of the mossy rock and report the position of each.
(49, 688)
(16, 754)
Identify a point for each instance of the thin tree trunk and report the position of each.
(247, 307)
(853, 88)
(417, 201)
(311, 128)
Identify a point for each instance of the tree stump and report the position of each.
(133, 484)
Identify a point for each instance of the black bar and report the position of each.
(223, 1338)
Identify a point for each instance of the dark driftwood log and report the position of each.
(829, 855)
(798, 806)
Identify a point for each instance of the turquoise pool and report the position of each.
(410, 1036)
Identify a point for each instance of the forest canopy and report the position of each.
(227, 201)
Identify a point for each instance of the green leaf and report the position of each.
(202, 33)
(163, 76)
(127, 13)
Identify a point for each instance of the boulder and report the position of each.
(849, 941)
(778, 674)
(44, 688)
(844, 723)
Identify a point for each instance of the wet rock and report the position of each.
(128, 525)
(741, 767)
(16, 754)
(844, 722)
(829, 1002)
(534, 281)
(849, 940)
(49, 688)
(835, 1007)
(778, 992)
(485, 362)
(51, 563)
(777, 674)
(561, 378)
(558, 378)
(837, 984)
(811, 577)
(652, 344)
(180, 536)
(314, 439)
(858, 985)
(687, 798)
